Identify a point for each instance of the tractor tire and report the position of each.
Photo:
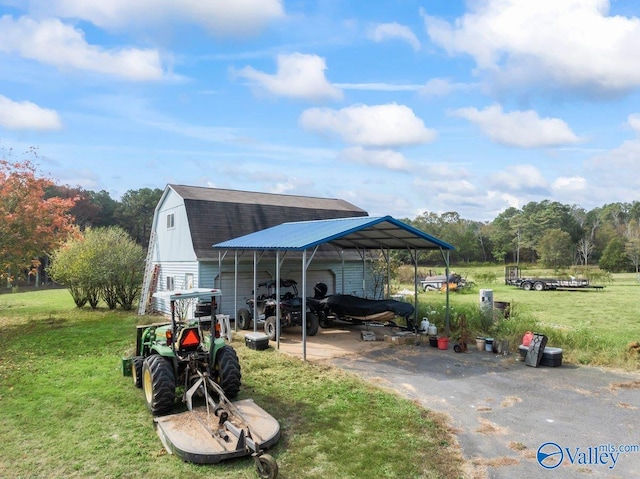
(226, 371)
(244, 318)
(159, 384)
(313, 324)
(136, 370)
(270, 328)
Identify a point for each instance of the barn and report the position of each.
(189, 220)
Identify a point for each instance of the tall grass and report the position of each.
(596, 327)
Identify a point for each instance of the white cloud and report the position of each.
(634, 122)
(377, 126)
(573, 43)
(390, 31)
(441, 87)
(520, 178)
(220, 17)
(378, 86)
(54, 43)
(298, 76)
(27, 116)
(385, 158)
(573, 184)
(524, 129)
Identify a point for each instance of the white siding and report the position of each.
(173, 244)
(179, 272)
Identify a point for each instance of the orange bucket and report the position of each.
(443, 343)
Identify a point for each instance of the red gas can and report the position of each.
(526, 339)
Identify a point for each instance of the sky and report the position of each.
(401, 107)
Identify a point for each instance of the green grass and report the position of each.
(66, 410)
(600, 328)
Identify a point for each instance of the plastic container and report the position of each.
(424, 326)
(433, 341)
(526, 339)
(433, 330)
(443, 343)
(488, 344)
(480, 343)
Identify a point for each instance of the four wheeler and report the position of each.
(290, 309)
(187, 354)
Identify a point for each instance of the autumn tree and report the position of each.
(31, 224)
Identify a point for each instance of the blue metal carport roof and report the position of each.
(362, 232)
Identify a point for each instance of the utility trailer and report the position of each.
(512, 277)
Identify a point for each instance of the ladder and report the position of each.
(150, 277)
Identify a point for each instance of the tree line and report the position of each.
(550, 233)
(37, 216)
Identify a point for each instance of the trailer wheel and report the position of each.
(136, 370)
(526, 286)
(244, 318)
(270, 327)
(312, 324)
(226, 372)
(538, 286)
(266, 467)
(159, 384)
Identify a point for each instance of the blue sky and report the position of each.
(398, 106)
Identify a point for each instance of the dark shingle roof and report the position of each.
(217, 215)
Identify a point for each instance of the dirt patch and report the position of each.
(517, 446)
(624, 385)
(509, 401)
(489, 428)
(497, 462)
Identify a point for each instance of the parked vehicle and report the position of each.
(290, 305)
(438, 282)
(185, 355)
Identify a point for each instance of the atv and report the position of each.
(290, 309)
(178, 353)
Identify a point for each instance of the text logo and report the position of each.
(550, 455)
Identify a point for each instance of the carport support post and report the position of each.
(304, 305)
(277, 299)
(447, 317)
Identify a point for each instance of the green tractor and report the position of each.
(193, 355)
(173, 354)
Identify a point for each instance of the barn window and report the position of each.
(170, 221)
(170, 283)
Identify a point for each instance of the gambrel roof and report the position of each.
(216, 215)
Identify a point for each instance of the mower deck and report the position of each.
(197, 437)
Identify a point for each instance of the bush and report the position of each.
(102, 263)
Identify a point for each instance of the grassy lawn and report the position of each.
(66, 410)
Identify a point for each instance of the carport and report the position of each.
(358, 234)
